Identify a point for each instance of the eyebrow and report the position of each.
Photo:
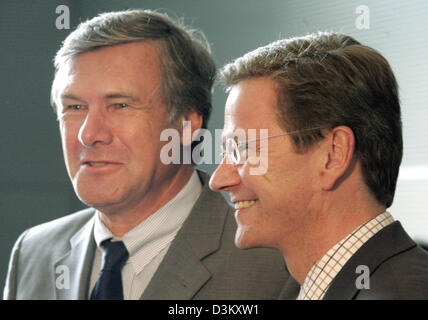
(107, 97)
(71, 97)
(121, 96)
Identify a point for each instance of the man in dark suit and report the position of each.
(154, 230)
(316, 184)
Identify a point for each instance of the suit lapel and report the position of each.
(386, 243)
(290, 291)
(182, 273)
(72, 270)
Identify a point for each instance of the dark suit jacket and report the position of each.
(201, 263)
(398, 269)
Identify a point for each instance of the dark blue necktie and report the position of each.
(109, 284)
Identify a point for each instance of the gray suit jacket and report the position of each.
(398, 269)
(54, 260)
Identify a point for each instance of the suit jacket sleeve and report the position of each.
(9, 292)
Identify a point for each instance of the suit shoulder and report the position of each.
(61, 228)
(403, 276)
(410, 273)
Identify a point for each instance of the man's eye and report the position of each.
(75, 107)
(121, 105)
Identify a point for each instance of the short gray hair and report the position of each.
(188, 70)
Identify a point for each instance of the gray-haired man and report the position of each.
(154, 230)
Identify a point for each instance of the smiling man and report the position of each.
(331, 161)
(101, 92)
(153, 230)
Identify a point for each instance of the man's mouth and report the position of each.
(96, 164)
(244, 204)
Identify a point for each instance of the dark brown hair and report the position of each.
(326, 80)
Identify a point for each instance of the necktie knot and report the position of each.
(114, 255)
(109, 284)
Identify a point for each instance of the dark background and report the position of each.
(34, 185)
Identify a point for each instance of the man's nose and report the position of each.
(225, 177)
(95, 129)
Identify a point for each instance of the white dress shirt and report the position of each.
(148, 242)
(321, 275)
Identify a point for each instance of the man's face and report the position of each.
(111, 113)
(277, 201)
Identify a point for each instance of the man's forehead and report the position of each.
(240, 124)
(237, 108)
(112, 69)
(251, 104)
(116, 58)
(64, 77)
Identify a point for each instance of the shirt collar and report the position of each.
(321, 275)
(158, 230)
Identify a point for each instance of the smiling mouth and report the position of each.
(97, 164)
(244, 204)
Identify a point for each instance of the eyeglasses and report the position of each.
(233, 150)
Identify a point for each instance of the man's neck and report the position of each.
(329, 228)
(120, 223)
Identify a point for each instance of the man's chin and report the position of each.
(101, 205)
(241, 242)
(246, 238)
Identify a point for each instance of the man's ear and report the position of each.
(190, 123)
(337, 159)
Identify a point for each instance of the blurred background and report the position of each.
(34, 186)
